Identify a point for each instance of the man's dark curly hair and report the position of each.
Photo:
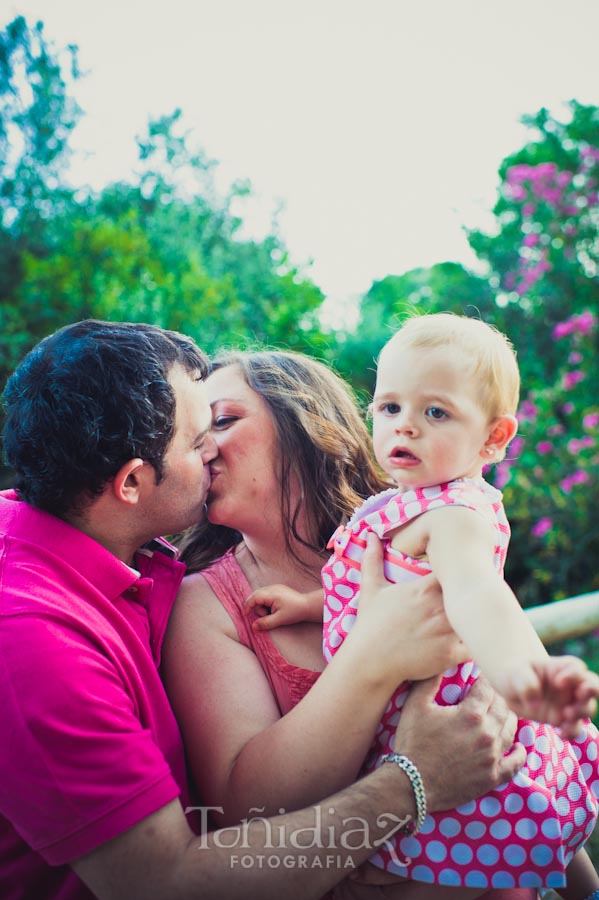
(84, 401)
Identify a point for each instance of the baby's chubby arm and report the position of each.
(278, 604)
(486, 615)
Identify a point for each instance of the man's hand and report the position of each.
(459, 750)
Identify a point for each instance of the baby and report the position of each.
(444, 407)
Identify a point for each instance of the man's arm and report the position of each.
(160, 859)
(302, 853)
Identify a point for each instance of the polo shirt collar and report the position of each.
(95, 563)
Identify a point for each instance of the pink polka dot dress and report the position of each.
(525, 832)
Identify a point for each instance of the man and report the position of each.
(108, 432)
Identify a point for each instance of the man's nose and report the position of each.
(209, 449)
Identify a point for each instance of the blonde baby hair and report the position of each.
(490, 353)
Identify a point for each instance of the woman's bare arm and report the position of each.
(242, 754)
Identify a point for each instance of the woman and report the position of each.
(261, 728)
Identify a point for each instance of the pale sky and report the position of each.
(380, 125)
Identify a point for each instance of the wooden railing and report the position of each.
(565, 619)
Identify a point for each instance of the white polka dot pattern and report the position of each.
(524, 833)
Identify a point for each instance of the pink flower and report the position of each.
(531, 240)
(568, 408)
(579, 477)
(591, 153)
(584, 322)
(552, 195)
(575, 358)
(555, 429)
(517, 191)
(563, 178)
(516, 447)
(575, 446)
(518, 174)
(544, 170)
(527, 411)
(544, 447)
(562, 329)
(502, 475)
(540, 528)
(572, 378)
(529, 209)
(591, 420)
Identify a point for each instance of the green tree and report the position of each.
(445, 287)
(165, 248)
(37, 116)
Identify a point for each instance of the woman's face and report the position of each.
(244, 491)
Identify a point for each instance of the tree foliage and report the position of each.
(37, 116)
(445, 287)
(163, 246)
(544, 254)
(166, 245)
(544, 266)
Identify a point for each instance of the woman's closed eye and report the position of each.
(221, 422)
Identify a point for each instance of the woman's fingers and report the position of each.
(373, 577)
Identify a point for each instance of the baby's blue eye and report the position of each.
(390, 409)
(434, 412)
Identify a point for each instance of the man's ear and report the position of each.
(501, 432)
(128, 481)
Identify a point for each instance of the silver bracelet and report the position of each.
(407, 766)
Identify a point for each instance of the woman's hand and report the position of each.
(460, 749)
(403, 626)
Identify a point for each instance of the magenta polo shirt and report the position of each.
(89, 744)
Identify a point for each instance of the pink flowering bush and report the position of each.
(550, 475)
(543, 259)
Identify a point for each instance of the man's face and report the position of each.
(178, 501)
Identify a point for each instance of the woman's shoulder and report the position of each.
(217, 594)
(199, 608)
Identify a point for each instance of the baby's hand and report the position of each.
(278, 604)
(570, 692)
(559, 690)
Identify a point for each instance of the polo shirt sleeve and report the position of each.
(79, 764)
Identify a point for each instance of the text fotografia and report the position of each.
(272, 861)
(348, 834)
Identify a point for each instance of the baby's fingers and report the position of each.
(267, 621)
(264, 597)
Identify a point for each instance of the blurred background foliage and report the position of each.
(166, 246)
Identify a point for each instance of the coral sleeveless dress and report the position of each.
(524, 833)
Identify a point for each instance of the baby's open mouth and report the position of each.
(399, 453)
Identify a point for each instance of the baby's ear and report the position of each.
(502, 430)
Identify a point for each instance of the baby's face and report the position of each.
(429, 426)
